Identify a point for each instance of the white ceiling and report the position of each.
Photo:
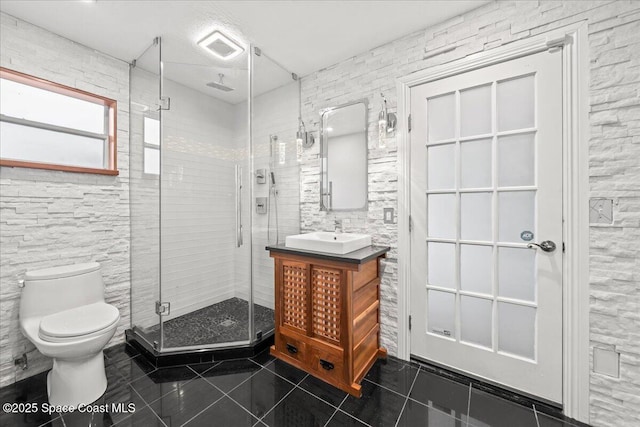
(302, 36)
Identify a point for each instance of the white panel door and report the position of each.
(486, 182)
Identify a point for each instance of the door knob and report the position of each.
(547, 246)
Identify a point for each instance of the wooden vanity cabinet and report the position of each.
(327, 316)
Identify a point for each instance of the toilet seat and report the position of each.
(78, 323)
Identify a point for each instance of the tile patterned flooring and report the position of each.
(262, 391)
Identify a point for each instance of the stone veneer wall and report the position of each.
(614, 49)
(51, 218)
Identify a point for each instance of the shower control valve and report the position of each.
(261, 205)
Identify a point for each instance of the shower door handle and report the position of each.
(239, 241)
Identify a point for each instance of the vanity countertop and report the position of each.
(359, 256)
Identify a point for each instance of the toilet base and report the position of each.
(76, 381)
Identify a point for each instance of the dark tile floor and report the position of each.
(261, 391)
(226, 321)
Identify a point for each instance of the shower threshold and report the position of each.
(219, 331)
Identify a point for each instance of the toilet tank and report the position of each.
(51, 290)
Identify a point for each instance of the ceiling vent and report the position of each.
(221, 46)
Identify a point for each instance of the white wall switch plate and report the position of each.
(600, 211)
(388, 215)
(606, 362)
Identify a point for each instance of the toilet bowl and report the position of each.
(63, 313)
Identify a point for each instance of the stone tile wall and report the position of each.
(614, 94)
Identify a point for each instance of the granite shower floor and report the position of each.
(225, 321)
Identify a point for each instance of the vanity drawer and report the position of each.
(327, 364)
(293, 348)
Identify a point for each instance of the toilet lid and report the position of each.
(79, 321)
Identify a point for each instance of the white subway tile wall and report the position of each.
(275, 113)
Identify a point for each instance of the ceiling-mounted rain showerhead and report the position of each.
(220, 84)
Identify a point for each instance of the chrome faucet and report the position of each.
(338, 226)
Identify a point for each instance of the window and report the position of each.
(151, 138)
(46, 125)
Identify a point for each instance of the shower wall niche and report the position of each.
(200, 274)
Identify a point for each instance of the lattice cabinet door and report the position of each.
(326, 303)
(294, 294)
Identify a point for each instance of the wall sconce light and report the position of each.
(387, 123)
(304, 139)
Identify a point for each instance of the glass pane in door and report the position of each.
(516, 103)
(441, 167)
(476, 262)
(475, 163)
(475, 320)
(475, 216)
(441, 209)
(442, 264)
(441, 117)
(516, 210)
(441, 313)
(516, 160)
(475, 111)
(516, 329)
(517, 273)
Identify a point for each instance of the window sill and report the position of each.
(63, 168)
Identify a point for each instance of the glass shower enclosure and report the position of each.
(203, 199)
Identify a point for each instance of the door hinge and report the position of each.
(410, 224)
(165, 103)
(563, 248)
(409, 322)
(409, 123)
(163, 308)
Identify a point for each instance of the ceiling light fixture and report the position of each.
(221, 46)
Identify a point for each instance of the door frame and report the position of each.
(572, 39)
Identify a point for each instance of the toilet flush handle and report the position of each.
(21, 283)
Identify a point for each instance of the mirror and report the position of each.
(343, 150)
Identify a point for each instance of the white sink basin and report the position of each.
(326, 241)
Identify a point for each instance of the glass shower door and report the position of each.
(144, 187)
(276, 186)
(205, 221)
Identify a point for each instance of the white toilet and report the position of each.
(62, 312)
